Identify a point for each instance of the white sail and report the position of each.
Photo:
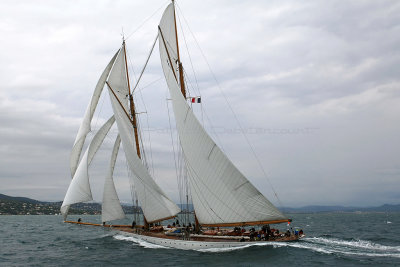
(79, 188)
(167, 27)
(111, 208)
(84, 129)
(154, 202)
(221, 194)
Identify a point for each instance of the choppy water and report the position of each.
(332, 239)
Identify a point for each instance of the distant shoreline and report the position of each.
(10, 205)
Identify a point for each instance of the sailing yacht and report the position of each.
(223, 198)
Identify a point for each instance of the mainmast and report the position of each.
(183, 90)
(180, 67)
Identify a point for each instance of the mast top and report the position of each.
(123, 35)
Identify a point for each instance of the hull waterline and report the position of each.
(199, 245)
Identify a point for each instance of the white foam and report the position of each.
(236, 248)
(105, 235)
(363, 244)
(138, 241)
(338, 246)
(317, 244)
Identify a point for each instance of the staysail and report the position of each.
(111, 207)
(221, 194)
(84, 129)
(154, 202)
(79, 188)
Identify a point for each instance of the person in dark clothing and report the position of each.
(79, 220)
(268, 235)
(251, 236)
(133, 224)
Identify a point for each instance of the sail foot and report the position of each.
(241, 224)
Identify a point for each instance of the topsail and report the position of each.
(84, 129)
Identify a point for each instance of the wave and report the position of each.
(362, 244)
(327, 246)
(138, 241)
(345, 247)
(323, 245)
(236, 248)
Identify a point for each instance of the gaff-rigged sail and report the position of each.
(84, 129)
(79, 188)
(154, 202)
(221, 194)
(111, 207)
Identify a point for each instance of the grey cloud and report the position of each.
(329, 66)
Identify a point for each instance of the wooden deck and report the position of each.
(201, 238)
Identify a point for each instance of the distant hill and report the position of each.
(26, 206)
(316, 209)
(18, 199)
(21, 205)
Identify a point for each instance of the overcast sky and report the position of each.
(314, 84)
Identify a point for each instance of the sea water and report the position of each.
(337, 239)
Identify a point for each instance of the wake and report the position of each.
(345, 247)
(138, 241)
(361, 248)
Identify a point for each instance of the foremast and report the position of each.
(156, 205)
(134, 121)
(135, 126)
(132, 104)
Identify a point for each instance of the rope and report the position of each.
(203, 112)
(187, 50)
(145, 64)
(149, 136)
(173, 148)
(149, 84)
(147, 19)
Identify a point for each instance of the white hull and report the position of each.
(187, 244)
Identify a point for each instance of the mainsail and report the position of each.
(221, 194)
(111, 208)
(154, 202)
(79, 188)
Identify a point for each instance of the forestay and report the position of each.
(79, 188)
(154, 202)
(221, 194)
(111, 207)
